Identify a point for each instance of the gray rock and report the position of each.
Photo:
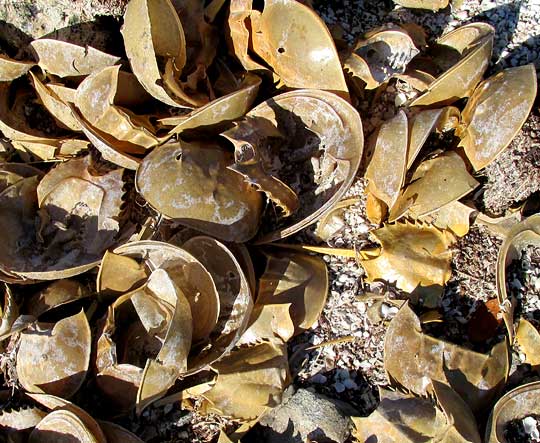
(305, 416)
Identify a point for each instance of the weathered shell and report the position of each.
(191, 184)
(61, 426)
(279, 35)
(11, 69)
(324, 137)
(434, 5)
(380, 56)
(53, 359)
(388, 164)
(413, 359)
(520, 402)
(495, 113)
(66, 59)
(460, 80)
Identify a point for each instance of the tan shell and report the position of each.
(413, 359)
(66, 59)
(152, 29)
(528, 339)
(520, 402)
(460, 80)
(387, 167)
(56, 294)
(312, 119)
(11, 69)
(435, 183)
(96, 99)
(214, 200)
(279, 35)
(495, 113)
(227, 108)
(297, 279)
(53, 359)
(434, 5)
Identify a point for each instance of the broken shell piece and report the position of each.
(460, 80)
(50, 149)
(118, 274)
(323, 147)
(433, 5)
(151, 31)
(387, 167)
(521, 235)
(54, 295)
(96, 100)
(521, 402)
(495, 113)
(454, 216)
(332, 223)
(224, 109)
(67, 60)
(11, 69)
(411, 256)
(54, 358)
(381, 55)
(55, 105)
(297, 279)
(404, 418)
(23, 419)
(435, 183)
(413, 358)
(279, 36)
(213, 200)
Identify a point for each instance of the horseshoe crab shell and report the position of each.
(190, 183)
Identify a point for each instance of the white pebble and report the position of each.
(531, 427)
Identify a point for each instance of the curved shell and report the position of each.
(61, 426)
(11, 69)
(191, 184)
(311, 120)
(279, 35)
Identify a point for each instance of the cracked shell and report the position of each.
(190, 183)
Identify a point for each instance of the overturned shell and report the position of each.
(53, 359)
(152, 29)
(520, 402)
(213, 200)
(460, 80)
(380, 56)
(66, 59)
(61, 426)
(521, 235)
(413, 358)
(279, 36)
(324, 139)
(495, 113)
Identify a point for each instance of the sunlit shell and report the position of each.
(118, 274)
(495, 113)
(324, 140)
(15, 420)
(387, 167)
(61, 426)
(401, 418)
(381, 55)
(11, 69)
(97, 102)
(213, 200)
(434, 5)
(54, 358)
(55, 105)
(517, 404)
(300, 280)
(66, 59)
(435, 183)
(413, 358)
(224, 109)
(460, 80)
(528, 339)
(152, 29)
(279, 35)
(521, 235)
(332, 223)
(56, 294)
